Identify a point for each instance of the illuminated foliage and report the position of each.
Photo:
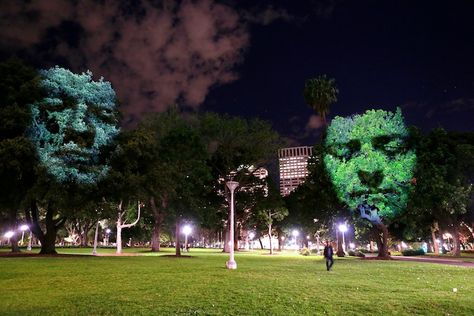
(73, 125)
(370, 163)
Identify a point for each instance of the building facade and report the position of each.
(293, 164)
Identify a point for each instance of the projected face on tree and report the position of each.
(73, 124)
(369, 162)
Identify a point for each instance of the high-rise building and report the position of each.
(293, 167)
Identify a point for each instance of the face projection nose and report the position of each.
(371, 179)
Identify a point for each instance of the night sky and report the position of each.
(251, 58)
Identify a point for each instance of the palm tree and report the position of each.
(319, 93)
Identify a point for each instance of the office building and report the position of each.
(293, 164)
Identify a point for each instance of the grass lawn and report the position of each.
(284, 284)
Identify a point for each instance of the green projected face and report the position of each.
(72, 125)
(369, 162)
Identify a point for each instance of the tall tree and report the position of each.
(72, 128)
(236, 144)
(319, 93)
(371, 166)
(19, 87)
(444, 176)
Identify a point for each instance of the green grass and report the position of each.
(285, 284)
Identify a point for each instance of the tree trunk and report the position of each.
(318, 244)
(48, 239)
(279, 239)
(270, 238)
(119, 238)
(158, 217)
(456, 242)
(382, 240)
(121, 224)
(340, 251)
(177, 243)
(260, 241)
(435, 240)
(14, 225)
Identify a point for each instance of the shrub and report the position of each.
(305, 251)
(413, 252)
(356, 253)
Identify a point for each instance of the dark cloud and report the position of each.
(268, 15)
(154, 56)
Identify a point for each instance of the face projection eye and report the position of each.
(346, 151)
(105, 115)
(390, 146)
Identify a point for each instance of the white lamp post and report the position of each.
(251, 236)
(186, 231)
(107, 234)
(23, 228)
(231, 264)
(343, 229)
(295, 234)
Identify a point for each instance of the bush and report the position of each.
(356, 253)
(364, 250)
(413, 252)
(305, 251)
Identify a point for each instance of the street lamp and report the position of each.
(23, 228)
(186, 231)
(295, 234)
(9, 235)
(231, 264)
(251, 236)
(343, 229)
(107, 235)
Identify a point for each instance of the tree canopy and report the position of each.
(370, 163)
(73, 124)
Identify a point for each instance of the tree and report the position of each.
(122, 222)
(270, 209)
(371, 166)
(314, 205)
(19, 87)
(173, 167)
(236, 144)
(319, 93)
(444, 176)
(72, 129)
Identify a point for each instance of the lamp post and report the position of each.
(343, 229)
(23, 228)
(186, 231)
(231, 264)
(251, 236)
(107, 234)
(295, 234)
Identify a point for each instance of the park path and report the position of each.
(452, 262)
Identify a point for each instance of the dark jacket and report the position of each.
(328, 252)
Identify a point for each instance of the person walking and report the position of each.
(328, 254)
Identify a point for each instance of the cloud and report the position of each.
(314, 122)
(267, 15)
(154, 55)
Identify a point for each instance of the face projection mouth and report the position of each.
(369, 212)
(366, 193)
(74, 156)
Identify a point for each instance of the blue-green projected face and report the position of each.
(369, 162)
(72, 125)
